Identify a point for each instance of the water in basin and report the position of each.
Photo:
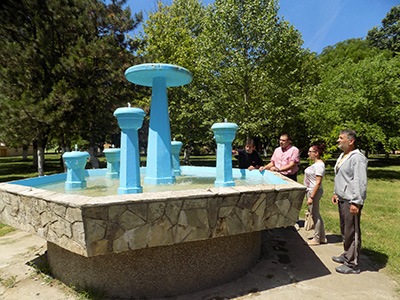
(98, 186)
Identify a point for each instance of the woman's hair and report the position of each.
(319, 148)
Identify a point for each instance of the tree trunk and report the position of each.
(386, 155)
(25, 152)
(41, 145)
(186, 155)
(35, 156)
(93, 159)
(40, 160)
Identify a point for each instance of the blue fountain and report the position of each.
(159, 168)
(130, 119)
(224, 133)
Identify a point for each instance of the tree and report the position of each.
(255, 68)
(55, 56)
(387, 36)
(171, 36)
(363, 96)
(351, 49)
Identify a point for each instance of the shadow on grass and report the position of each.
(381, 174)
(376, 261)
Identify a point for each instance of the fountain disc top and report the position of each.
(143, 74)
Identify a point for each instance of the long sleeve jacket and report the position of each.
(351, 178)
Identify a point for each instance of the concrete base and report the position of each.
(159, 271)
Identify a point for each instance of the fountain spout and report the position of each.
(76, 162)
(129, 120)
(113, 159)
(224, 133)
(176, 148)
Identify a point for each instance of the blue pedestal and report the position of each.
(76, 162)
(224, 133)
(176, 148)
(113, 162)
(129, 120)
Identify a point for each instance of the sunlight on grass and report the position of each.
(4, 229)
(379, 221)
(380, 217)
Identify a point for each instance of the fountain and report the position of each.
(76, 162)
(129, 120)
(154, 244)
(159, 76)
(113, 162)
(224, 134)
(175, 149)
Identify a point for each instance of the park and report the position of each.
(148, 110)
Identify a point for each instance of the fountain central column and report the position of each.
(159, 161)
(159, 168)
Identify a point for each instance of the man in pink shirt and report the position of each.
(285, 158)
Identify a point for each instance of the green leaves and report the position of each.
(387, 36)
(62, 69)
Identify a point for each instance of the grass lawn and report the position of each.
(380, 221)
(380, 217)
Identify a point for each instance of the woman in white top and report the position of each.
(313, 180)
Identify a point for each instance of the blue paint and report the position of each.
(75, 162)
(113, 162)
(176, 148)
(143, 74)
(224, 133)
(129, 120)
(194, 174)
(159, 76)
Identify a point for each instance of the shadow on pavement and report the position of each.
(285, 259)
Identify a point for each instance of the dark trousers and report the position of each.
(351, 234)
(292, 176)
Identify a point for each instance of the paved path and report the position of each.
(288, 269)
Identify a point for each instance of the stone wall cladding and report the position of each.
(93, 226)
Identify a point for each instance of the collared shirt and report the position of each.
(282, 158)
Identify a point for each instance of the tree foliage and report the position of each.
(387, 36)
(171, 36)
(363, 96)
(247, 63)
(62, 68)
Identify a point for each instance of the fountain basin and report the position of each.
(194, 238)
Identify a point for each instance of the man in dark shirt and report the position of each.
(248, 158)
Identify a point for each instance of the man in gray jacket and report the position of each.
(350, 192)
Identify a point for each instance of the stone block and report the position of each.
(155, 211)
(128, 220)
(139, 208)
(172, 210)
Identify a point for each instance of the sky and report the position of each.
(321, 22)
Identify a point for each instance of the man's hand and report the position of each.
(335, 199)
(251, 168)
(235, 152)
(354, 209)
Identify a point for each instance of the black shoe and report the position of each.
(339, 259)
(347, 270)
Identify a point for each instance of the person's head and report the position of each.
(316, 151)
(250, 146)
(284, 140)
(347, 140)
